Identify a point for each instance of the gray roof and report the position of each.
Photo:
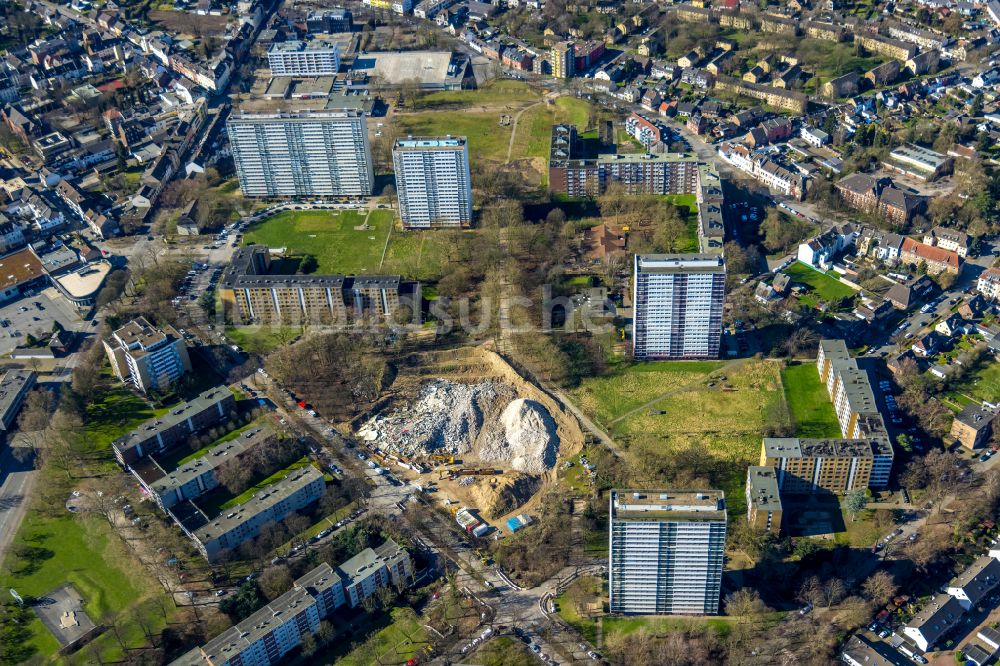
(975, 417)
(936, 618)
(978, 579)
(763, 488)
(215, 457)
(862, 651)
(362, 564)
(13, 385)
(262, 500)
(175, 416)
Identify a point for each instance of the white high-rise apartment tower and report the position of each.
(677, 301)
(321, 152)
(433, 182)
(666, 550)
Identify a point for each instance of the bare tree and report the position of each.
(879, 587)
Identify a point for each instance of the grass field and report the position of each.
(983, 384)
(394, 644)
(820, 284)
(488, 139)
(656, 410)
(82, 550)
(118, 413)
(340, 248)
(534, 129)
(261, 339)
(689, 201)
(809, 403)
(498, 92)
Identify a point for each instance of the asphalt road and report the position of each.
(16, 481)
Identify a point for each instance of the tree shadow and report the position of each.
(30, 559)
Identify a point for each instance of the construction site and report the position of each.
(464, 425)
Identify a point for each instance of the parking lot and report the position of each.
(21, 317)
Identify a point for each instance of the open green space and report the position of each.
(261, 339)
(50, 551)
(343, 242)
(657, 410)
(980, 385)
(394, 644)
(819, 284)
(353, 243)
(119, 412)
(688, 202)
(488, 139)
(534, 129)
(498, 92)
(808, 402)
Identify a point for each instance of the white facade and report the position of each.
(433, 182)
(677, 301)
(296, 58)
(666, 552)
(308, 153)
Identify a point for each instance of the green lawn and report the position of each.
(657, 410)
(488, 139)
(335, 238)
(176, 458)
(82, 551)
(394, 644)
(341, 248)
(689, 202)
(809, 403)
(261, 339)
(499, 92)
(118, 413)
(534, 129)
(983, 384)
(820, 284)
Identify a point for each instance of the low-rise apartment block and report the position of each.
(953, 240)
(148, 357)
(886, 46)
(934, 620)
(763, 499)
(666, 551)
(973, 426)
(14, 387)
(300, 488)
(976, 582)
(197, 477)
(265, 637)
(251, 292)
(176, 426)
(936, 259)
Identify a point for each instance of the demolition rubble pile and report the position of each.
(485, 419)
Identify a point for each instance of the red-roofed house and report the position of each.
(938, 260)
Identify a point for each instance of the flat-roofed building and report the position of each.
(14, 387)
(251, 293)
(433, 181)
(838, 466)
(176, 426)
(850, 391)
(264, 638)
(919, 162)
(305, 150)
(300, 488)
(677, 301)
(312, 58)
(148, 357)
(763, 499)
(196, 477)
(372, 569)
(666, 551)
